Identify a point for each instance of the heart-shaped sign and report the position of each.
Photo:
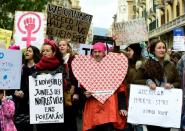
(102, 78)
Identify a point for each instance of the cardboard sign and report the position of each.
(160, 107)
(10, 69)
(30, 28)
(67, 23)
(46, 99)
(130, 32)
(102, 78)
(5, 37)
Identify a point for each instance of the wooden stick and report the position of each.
(4, 92)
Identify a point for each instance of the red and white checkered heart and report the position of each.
(102, 78)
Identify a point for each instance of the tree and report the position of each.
(8, 8)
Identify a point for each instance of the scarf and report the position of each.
(46, 63)
(66, 58)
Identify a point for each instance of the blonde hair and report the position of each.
(69, 50)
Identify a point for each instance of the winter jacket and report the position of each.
(7, 111)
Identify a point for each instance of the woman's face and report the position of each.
(98, 55)
(160, 50)
(130, 53)
(47, 51)
(63, 47)
(29, 54)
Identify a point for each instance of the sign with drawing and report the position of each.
(10, 69)
(30, 28)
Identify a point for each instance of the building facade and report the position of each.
(125, 11)
(162, 16)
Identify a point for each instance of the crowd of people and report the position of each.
(159, 69)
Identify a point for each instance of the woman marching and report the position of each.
(71, 92)
(134, 74)
(50, 63)
(160, 72)
(21, 97)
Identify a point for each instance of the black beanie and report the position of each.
(137, 48)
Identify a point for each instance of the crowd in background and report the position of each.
(154, 65)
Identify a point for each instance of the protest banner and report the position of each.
(68, 23)
(130, 32)
(160, 107)
(5, 37)
(10, 69)
(29, 28)
(46, 99)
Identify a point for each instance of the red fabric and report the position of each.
(48, 63)
(96, 113)
(51, 43)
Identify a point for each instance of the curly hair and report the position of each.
(36, 54)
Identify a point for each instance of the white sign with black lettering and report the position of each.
(160, 107)
(85, 49)
(46, 99)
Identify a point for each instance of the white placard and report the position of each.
(30, 28)
(130, 32)
(85, 49)
(178, 43)
(160, 107)
(46, 99)
(10, 69)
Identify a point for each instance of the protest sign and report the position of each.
(85, 49)
(30, 28)
(5, 37)
(10, 69)
(101, 78)
(68, 23)
(160, 107)
(130, 32)
(178, 39)
(46, 99)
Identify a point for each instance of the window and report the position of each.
(178, 9)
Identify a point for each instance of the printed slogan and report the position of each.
(46, 99)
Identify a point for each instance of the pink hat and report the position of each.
(14, 47)
(51, 43)
(99, 46)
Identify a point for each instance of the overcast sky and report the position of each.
(102, 11)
